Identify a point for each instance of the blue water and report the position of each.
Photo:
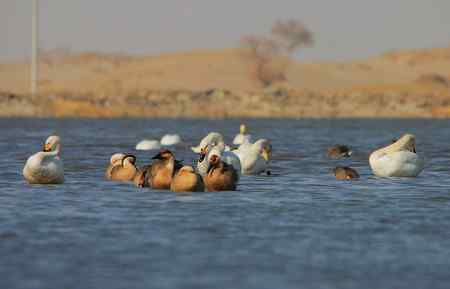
(299, 228)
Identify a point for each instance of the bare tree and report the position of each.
(285, 39)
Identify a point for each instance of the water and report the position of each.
(297, 228)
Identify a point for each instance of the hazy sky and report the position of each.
(343, 29)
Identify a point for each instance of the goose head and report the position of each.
(164, 155)
(214, 162)
(52, 144)
(129, 160)
(116, 158)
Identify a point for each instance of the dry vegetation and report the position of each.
(222, 83)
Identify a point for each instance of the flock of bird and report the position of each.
(219, 167)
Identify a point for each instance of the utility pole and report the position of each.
(34, 47)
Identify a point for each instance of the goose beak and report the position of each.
(47, 148)
(157, 157)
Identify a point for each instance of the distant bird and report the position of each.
(147, 145)
(242, 136)
(220, 176)
(116, 159)
(45, 167)
(170, 140)
(126, 171)
(345, 173)
(162, 170)
(254, 157)
(398, 159)
(187, 180)
(339, 151)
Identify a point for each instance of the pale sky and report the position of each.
(343, 29)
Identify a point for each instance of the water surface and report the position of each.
(299, 228)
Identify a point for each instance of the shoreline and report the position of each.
(225, 104)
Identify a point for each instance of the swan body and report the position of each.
(170, 140)
(147, 145)
(254, 157)
(45, 167)
(398, 159)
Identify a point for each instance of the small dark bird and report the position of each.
(345, 173)
(339, 151)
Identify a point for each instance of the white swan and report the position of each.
(398, 159)
(147, 145)
(254, 157)
(213, 138)
(45, 167)
(170, 140)
(227, 157)
(242, 136)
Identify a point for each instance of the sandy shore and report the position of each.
(222, 83)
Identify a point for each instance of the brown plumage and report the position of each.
(163, 169)
(345, 173)
(126, 171)
(220, 176)
(187, 180)
(339, 151)
(140, 178)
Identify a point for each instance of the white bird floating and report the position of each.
(398, 159)
(45, 167)
(254, 157)
(170, 140)
(147, 145)
(242, 136)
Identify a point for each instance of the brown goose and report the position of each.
(187, 180)
(126, 171)
(220, 176)
(162, 170)
(345, 173)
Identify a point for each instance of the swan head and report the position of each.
(265, 149)
(128, 160)
(213, 138)
(164, 154)
(406, 143)
(243, 129)
(116, 158)
(52, 143)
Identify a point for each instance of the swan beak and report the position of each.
(266, 154)
(47, 148)
(414, 149)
